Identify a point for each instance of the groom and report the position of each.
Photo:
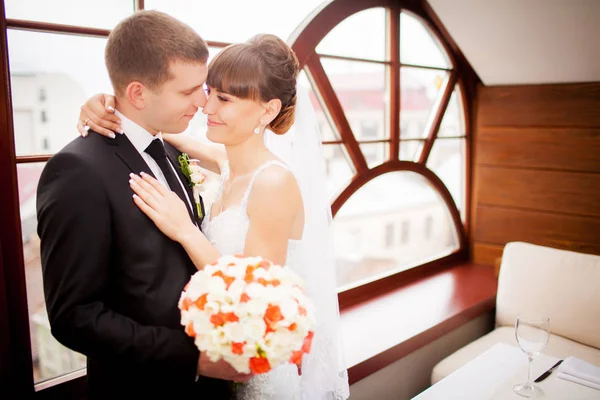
(112, 280)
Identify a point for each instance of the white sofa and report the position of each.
(563, 285)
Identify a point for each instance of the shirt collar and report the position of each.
(138, 136)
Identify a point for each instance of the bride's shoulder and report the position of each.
(275, 196)
(276, 175)
(276, 181)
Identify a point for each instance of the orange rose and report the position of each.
(259, 365)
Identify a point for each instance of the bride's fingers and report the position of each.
(109, 104)
(159, 187)
(242, 378)
(81, 128)
(103, 107)
(146, 209)
(103, 131)
(145, 191)
(98, 124)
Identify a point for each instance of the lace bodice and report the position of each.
(227, 232)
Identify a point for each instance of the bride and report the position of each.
(272, 200)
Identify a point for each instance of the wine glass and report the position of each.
(532, 332)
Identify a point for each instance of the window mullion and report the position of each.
(393, 43)
(439, 114)
(138, 5)
(337, 113)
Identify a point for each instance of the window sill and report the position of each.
(381, 330)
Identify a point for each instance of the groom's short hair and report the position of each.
(142, 46)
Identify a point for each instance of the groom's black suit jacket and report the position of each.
(112, 280)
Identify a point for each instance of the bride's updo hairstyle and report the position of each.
(262, 69)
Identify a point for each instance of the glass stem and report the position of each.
(529, 377)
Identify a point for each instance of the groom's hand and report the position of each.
(220, 370)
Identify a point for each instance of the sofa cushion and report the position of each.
(557, 346)
(563, 285)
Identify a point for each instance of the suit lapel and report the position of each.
(173, 155)
(129, 155)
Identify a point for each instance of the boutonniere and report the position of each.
(192, 171)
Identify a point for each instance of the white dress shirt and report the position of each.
(141, 139)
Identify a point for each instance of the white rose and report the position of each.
(235, 271)
(217, 336)
(249, 349)
(288, 342)
(236, 289)
(289, 311)
(254, 329)
(214, 354)
(276, 270)
(227, 307)
(234, 332)
(239, 362)
(216, 287)
(252, 260)
(210, 269)
(184, 318)
(197, 177)
(256, 307)
(255, 290)
(227, 259)
(261, 273)
(205, 343)
(195, 169)
(197, 287)
(201, 321)
(212, 307)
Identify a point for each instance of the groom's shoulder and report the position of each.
(93, 144)
(91, 148)
(81, 152)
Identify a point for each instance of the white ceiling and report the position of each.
(526, 41)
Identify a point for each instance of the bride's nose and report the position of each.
(209, 106)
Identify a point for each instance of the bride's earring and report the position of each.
(257, 130)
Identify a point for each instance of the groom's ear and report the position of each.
(135, 94)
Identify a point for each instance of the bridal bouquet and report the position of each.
(248, 311)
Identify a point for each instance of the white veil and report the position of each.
(324, 373)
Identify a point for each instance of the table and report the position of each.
(492, 375)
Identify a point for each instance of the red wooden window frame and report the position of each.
(16, 376)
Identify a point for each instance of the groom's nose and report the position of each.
(200, 99)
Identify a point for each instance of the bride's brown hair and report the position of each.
(262, 69)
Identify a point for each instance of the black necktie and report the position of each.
(157, 150)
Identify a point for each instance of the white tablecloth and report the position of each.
(493, 374)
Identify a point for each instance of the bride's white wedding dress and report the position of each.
(324, 374)
(227, 232)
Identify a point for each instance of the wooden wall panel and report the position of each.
(536, 168)
(570, 149)
(567, 105)
(501, 225)
(556, 191)
(486, 254)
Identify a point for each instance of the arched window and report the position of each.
(388, 93)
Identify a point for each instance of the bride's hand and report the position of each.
(162, 206)
(98, 114)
